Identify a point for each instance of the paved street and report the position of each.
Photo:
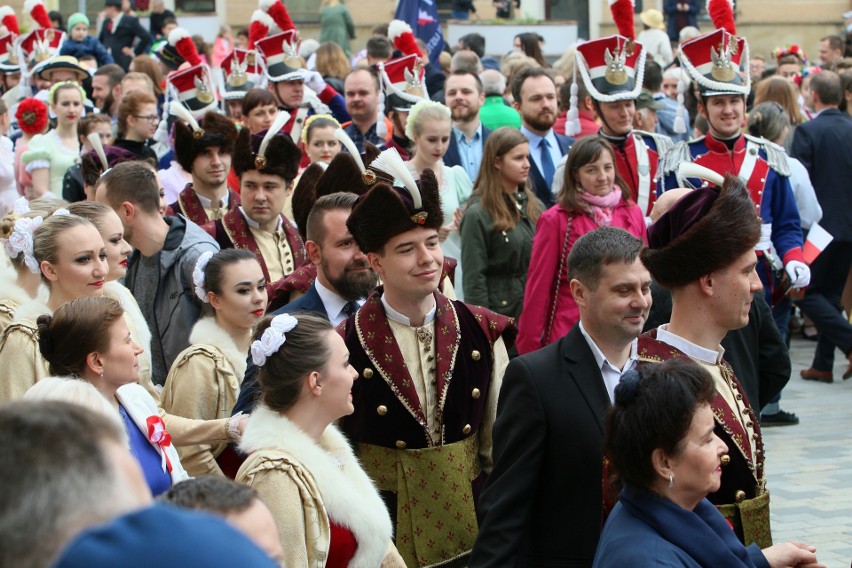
(809, 466)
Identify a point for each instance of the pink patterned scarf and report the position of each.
(601, 206)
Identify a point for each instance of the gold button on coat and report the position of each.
(382, 410)
(466, 430)
(368, 373)
(475, 355)
(474, 393)
(400, 444)
(739, 495)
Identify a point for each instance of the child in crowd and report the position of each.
(80, 43)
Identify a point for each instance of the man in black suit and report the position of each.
(534, 94)
(544, 504)
(824, 146)
(344, 276)
(464, 96)
(120, 32)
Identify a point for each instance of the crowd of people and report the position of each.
(305, 307)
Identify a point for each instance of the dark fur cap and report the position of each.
(281, 159)
(387, 211)
(705, 231)
(219, 131)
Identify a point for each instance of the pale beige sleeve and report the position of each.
(191, 391)
(281, 489)
(392, 558)
(186, 431)
(498, 368)
(21, 361)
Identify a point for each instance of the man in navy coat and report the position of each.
(119, 33)
(824, 146)
(534, 94)
(464, 95)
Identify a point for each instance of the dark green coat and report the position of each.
(495, 262)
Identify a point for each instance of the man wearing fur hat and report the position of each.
(205, 152)
(613, 69)
(703, 251)
(431, 371)
(713, 62)
(266, 163)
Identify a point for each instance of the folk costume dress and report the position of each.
(328, 511)
(203, 384)
(201, 210)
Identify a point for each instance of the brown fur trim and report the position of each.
(342, 174)
(729, 229)
(282, 155)
(219, 131)
(304, 197)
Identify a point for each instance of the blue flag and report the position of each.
(422, 16)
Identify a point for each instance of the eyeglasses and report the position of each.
(149, 118)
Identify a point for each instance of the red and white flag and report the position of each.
(818, 239)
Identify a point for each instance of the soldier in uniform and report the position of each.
(266, 163)
(702, 250)
(713, 62)
(431, 370)
(204, 149)
(612, 69)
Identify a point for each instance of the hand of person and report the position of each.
(236, 426)
(445, 231)
(792, 554)
(799, 273)
(127, 51)
(457, 217)
(315, 81)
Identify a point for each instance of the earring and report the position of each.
(671, 480)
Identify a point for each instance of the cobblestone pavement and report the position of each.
(809, 466)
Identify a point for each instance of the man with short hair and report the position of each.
(159, 272)
(238, 504)
(135, 81)
(824, 146)
(534, 94)
(259, 224)
(122, 35)
(544, 503)
(463, 95)
(830, 51)
(495, 112)
(476, 43)
(465, 60)
(71, 461)
(431, 371)
(703, 250)
(208, 159)
(361, 90)
(106, 89)
(379, 49)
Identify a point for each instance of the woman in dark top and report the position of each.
(137, 123)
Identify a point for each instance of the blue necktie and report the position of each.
(547, 168)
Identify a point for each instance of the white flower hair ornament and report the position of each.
(22, 206)
(198, 278)
(21, 241)
(272, 339)
(61, 212)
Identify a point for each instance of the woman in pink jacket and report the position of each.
(592, 195)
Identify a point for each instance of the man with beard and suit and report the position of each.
(119, 33)
(543, 504)
(106, 89)
(463, 94)
(534, 94)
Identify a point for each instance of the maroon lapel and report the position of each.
(376, 337)
(190, 206)
(297, 247)
(238, 232)
(447, 339)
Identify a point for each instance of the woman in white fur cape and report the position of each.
(205, 378)
(328, 511)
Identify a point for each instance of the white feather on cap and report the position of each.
(391, 163)
(396, 28)
(177, 109)
(349, 144)
(95, 140)
(279, 122)
(692, 170)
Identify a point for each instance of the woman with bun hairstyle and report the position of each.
(71, 257)
(88, 339)
(20, 283)
(328, 511)
(50, 155)
(109, 226)
(204, 381)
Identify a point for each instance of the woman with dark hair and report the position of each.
(593, 195)
(259, 110)
(205, 378)
(88, 339)
(661, 442)
(530, 44)
(328, 511)
(498, 226)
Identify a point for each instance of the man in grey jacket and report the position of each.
(159, 272)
